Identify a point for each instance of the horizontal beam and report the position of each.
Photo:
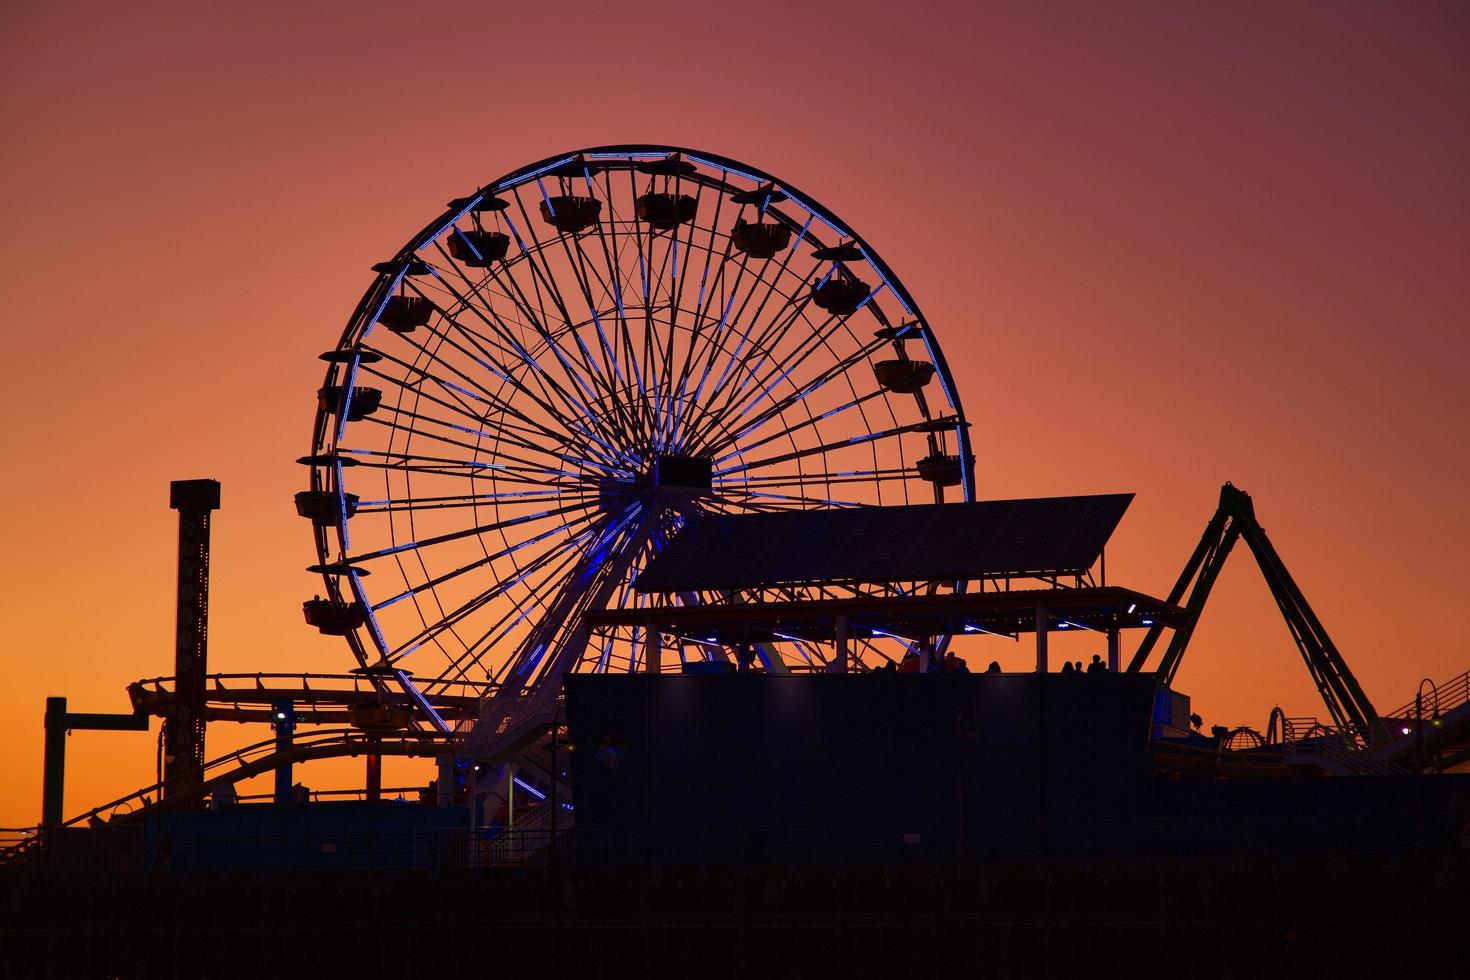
(95, 721)
(1095, 607)
(160, 701)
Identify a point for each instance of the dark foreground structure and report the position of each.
(734, 825)
(1243, 916)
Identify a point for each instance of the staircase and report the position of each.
(1434, 723)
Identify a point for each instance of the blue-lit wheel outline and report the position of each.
(369, 645)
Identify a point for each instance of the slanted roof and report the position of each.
(1046, 537)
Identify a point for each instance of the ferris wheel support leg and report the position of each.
(839, 660)
(445, 781)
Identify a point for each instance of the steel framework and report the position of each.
(1234, 520)
(542, 385)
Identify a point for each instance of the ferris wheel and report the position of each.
(544, 384)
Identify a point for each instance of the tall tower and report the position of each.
(183, 731)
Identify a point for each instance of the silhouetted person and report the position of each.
(1066, 666)
(994, 667)
(1097, 666)
(744, 657)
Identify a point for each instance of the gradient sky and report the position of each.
(1164, 245)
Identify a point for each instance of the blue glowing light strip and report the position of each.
(724, 168)
(444, 227)
(528, 787)
(518, 179)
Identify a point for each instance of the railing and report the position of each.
(135, 848)
(252, 755)
(1443, 698)
(320, 795)
(218, 686)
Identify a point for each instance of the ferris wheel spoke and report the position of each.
(494, 321)
(499, 453)
(588, 524)
(699, 309)
(536, 318)
(794, 298)
(454, 617)
(805, 479)
(542, 278)
(501, 525)
(399, 461)
(798, 426)
(574, 405)
(499, 430)
(520, 611)
(583, 271)
(451, 501)
(765, 343)
(805, 349)
(607, 237)
(456, 391)
(485, 359)
(779, 406)
(804, 501)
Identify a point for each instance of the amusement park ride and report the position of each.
(645, 410)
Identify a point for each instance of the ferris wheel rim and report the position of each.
(391, 273)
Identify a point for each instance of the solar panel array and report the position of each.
(1047, 536)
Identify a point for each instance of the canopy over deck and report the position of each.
(1048, 537)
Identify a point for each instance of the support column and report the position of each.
(283, 722)
(183, 731)
(652, 652)
(840, 659)
(58, 723)
(1115, 655)
(54, 779)
(445, 795)
(375, 778)
(510, 796)
(1041, 627)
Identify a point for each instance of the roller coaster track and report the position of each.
(252, 760)
(328, 699)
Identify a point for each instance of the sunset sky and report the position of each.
(1163, 245)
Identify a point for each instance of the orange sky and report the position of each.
(1163, 246)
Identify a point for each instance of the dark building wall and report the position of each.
(755, 767)
(837, 765)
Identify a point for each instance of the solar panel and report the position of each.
(1044, 536)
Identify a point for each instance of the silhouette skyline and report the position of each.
(1169, 247)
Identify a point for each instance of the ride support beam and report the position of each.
(1041, 631)
(1234, 519)
(1345, 698)
(653, 653)
(183, 730)
(840, 657)
(374, 780)
(283, 723)
(59, 722)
